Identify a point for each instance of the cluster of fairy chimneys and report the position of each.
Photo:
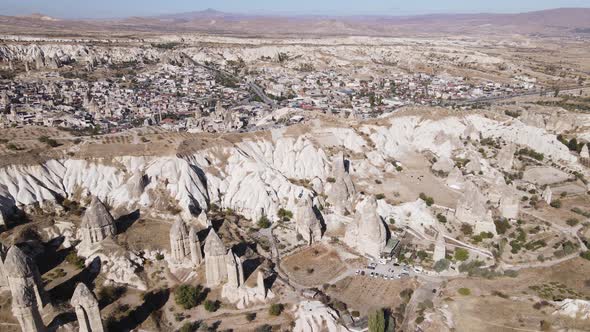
(19, 273)
(222, 265)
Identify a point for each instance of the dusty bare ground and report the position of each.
(507, 304)
(364, 293)
(147, 234)
(313, 266)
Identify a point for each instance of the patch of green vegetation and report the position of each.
(464, 291)
(187, 296)
(276, 309)
(427, 199)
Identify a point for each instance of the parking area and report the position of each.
(389, 270)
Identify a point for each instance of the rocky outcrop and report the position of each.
(313, 316)
(547, 195)
(87, 310)
(235, 270)
(509, 203)
(245, 295)
(367, 233)
(574, 308)
(456, 180)
(472, 209)
(185, 246)
(307, 223)
(215, 260)
(25, 284)
(505, 157)
(97, 223)
(341, 191)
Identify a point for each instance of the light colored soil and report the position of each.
(484, 311)
(364, 293)
(326, 265)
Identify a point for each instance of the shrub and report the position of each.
(572, 222)
(285, 215)
(189, 327)
(467, 229)
(263, 222)
(556, 204)
(585, 255)
(464, 291)
(441, 218)
(75, 260)
(461, 254)
(212, 306)
(159, 256)
(251, 316)
(187, 296)
(429, 200)
(380, 196)
(264, 328)
(441, 265)
(276, 309)
(331, 180)
(355, 314)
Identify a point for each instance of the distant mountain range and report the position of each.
(547, 22)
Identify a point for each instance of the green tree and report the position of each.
(441, 265)
(187, 296)
(263, 222)
(461, 254)
(276, 309)
(377, 321)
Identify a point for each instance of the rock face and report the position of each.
(574, 308)
(455, 179)
(97, 223)
(184, 244)
(245, 295)
(509, 203)
(506, 157)
(547, 195)
(471, 209)
(313, 316)
(585, 153)
(26, 289)
(342, 191)
(3, 276)
(235, 270)
(215, 260)
(87, 309)
(306, 222)
(367, 233)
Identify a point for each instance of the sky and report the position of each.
(125, 8)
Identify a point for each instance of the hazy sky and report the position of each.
(122, 8)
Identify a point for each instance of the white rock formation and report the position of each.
(26, 289)
(444, 165)
(456, 180)
(509, 203)
(505, 157)
(574, 308)
(87, 310)
(215, 260)
(235, 270)
(472, 209)
(341, 192)
(547, 195)
(97, 223)
(313, 316)
(585, 153)
(184, 244)
(203, 220)
(245, 296)
(367, 233)
(306, 222)
(415, 215)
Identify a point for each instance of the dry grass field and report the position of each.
(313, 266)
